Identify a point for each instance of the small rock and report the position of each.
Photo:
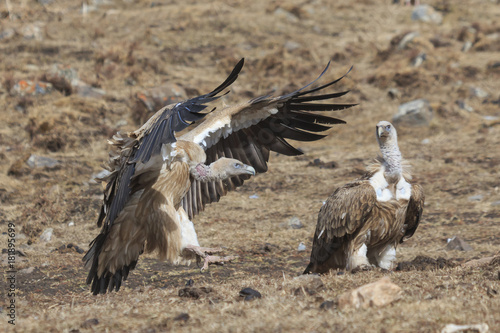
(32, 31)
(36, 161)
(253, 196)
(425, 141)
(376, 294)
(85, 90)
(71, 223)
(291, 45)
(90, 322)
(46, 235)
(31, 88)
(7, 34)
(189, 283)
(407, 39)
(414, 113)
(394, 93)
(464, 106)
(295, 223)
(250, 294)
(301, 247)
(452, 328)
(190, 292)
(282, 13)
(457, 243)
(327, 305)
(28, 270)
(425, 13)
(419, 60)
(478, 92)
(182, 317)
(477, 197)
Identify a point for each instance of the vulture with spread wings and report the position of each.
(159, 180)
(362, 222)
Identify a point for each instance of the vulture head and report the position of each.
(386, 134)
(225, 168)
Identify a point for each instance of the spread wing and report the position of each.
(136, 164)
(136, 150)
(414, 211)
(249, 131)
(342, 215)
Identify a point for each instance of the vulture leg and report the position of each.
(205, 254)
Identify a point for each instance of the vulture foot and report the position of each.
(205, 254)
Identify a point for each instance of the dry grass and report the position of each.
(194, 45)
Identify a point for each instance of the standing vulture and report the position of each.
(159, 180)
(362, 222)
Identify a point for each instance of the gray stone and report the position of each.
(36, 161)
(425, 13)
(301, 247)
(394, 93)
(419, 60)
(46, 236)
(464, 106)
(477, 197)
(478, 92)
(28, 270)
(291, 45)
(457, 243)
(295, 223)
(406, 39)
(414, 113)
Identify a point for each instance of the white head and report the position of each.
(229, 167)
(386, 134)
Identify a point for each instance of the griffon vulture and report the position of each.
(160, 179)
(362, 222)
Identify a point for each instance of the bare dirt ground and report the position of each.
(121, 48)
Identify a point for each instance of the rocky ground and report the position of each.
(73, 73)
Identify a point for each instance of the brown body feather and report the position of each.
(352, 217)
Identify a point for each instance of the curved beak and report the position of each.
(249, 170)
(381, 132)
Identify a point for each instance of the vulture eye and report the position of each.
(388, 127)
(237, 165)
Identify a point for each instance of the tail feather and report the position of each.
(107, 281)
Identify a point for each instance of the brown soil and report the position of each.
(128, 47)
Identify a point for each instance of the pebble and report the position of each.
(46, 236)
(301, 247)
(250, 294)
(31, 88)
(477, 197)
(478, 92)
(457, 243)
(415, 113)
(427, 14)
(464, 106)
(253, 196)
(36, 161)
(407, 39)
(295, 223)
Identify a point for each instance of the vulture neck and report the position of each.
(392, 161)
(206, 173)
